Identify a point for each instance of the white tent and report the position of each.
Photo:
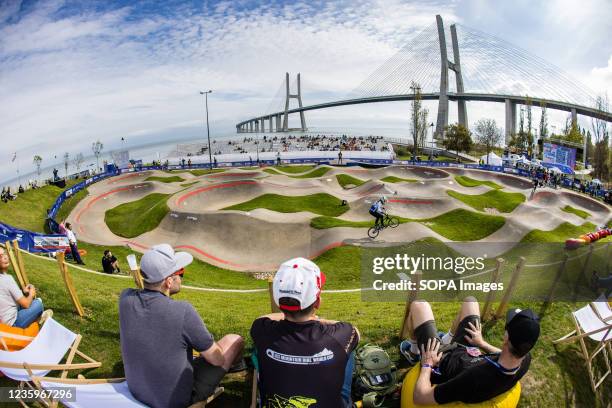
(494, 160)
(524, 160)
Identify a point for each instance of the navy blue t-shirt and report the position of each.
(302, 362)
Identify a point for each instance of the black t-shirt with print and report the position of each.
(302, 362)
(107, 263)
(473, 379)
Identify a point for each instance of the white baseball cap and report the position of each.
(299, 279)
(161, 261)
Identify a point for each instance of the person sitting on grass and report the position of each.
(302, 357)
(110, 264)
(462, 372)
(377, 210)
(17, 309)
(158, 336)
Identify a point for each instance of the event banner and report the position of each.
(32, 241)
(559, 155)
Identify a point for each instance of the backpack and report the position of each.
(375, 376)
(374, 207)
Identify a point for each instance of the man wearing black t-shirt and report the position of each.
(469, 369)
(303, 359)
(110, 264)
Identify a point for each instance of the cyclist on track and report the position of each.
(377, 210)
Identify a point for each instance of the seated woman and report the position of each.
(16, 309)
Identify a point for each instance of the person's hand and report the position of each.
(475, 334)
(31, 290)
(430, 353)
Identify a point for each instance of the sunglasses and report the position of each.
(179, 273)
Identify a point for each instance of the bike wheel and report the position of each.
(373, 232)
(393, 222)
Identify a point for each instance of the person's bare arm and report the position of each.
(214, 355)
(475, 338)
(423, 389)
(26, 301)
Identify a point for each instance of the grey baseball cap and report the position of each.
(161, 261)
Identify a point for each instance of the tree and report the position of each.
(416, 116)
(457, 138)
(488, 134)
(66, 162)
(78, 161)
(543, 122)
(96, 148)
(601, 137)
(37, 161)
(423, 127)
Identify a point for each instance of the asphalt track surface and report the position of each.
(261, 239)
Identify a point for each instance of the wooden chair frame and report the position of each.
(37, 381)
(603, 347)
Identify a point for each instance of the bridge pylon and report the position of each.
(289, 96)
(454, 66)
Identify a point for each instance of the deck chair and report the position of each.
(595, 322)
(44, 354)
(100, 393)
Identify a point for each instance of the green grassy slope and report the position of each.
(137, 217)
(322, 203)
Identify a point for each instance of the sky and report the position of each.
(73, 72)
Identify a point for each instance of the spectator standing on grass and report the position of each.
(158, 336)
(16, 308)
(301, 357)
(74, 250)
(110, 264)
(340, 157)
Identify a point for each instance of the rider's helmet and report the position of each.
(383, 199)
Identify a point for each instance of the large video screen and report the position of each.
(559, 155)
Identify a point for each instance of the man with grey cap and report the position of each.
(158, 336)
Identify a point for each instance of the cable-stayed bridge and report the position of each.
(485, 68)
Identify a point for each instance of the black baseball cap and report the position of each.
(523, 327)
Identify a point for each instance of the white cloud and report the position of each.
(601, 78)
(69, 79)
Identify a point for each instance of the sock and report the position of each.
(447, 338)
(414, 347)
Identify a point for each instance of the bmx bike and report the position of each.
(388, 221)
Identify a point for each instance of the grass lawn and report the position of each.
(456, 225)
(132, 219)
(348, 182)
(572, 210)
(555, 378)
(561, 233)
(321, 203)
(313, 174)
(29, 210)
(189, 184)
(171, 179)
(69, 205)
(393, 179)
(301, 168)
(196, 172)
(504, 202)
(466, 181)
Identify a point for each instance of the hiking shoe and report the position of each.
(237, 367)
(44, 316)
(404, 349)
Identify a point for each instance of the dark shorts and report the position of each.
(206, 378)
(425, 331)
(428, 330)
(459, 337)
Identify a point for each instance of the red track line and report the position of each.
(93, 200)
(114, 180)
(220, 175)
(182, 198)
(409, 201)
